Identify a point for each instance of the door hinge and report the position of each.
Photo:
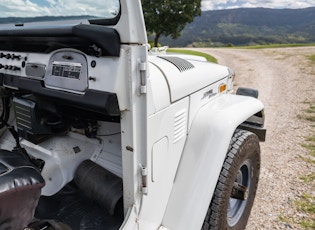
(143, 77)
(144, 179)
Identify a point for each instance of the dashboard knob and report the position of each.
(14, 68)
(17, 57)
(1, 66)
(2, 55)
(8, 56)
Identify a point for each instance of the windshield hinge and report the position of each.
(143, 77)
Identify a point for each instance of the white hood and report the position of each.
(186, 76)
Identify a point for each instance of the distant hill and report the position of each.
(248, 26)
(243, 26)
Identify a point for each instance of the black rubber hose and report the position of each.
(5, 111)
(99, 185)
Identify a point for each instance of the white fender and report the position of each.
(204, 153)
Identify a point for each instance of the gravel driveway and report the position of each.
(285, 78)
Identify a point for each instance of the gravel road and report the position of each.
(285, 78)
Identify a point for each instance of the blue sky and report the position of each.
(278, 4)
(41, 2)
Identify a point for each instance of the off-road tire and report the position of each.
(242, 165)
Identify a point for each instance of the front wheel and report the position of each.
(235, 191)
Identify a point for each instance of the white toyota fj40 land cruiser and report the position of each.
(97, 133)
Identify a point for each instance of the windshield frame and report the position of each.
(106, 21)
(43, 19)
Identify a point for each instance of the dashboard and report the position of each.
(66, 70)
(54, 62)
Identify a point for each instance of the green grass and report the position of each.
(309, 114)
(275, 46)
(312, 57)
(310, 145)
(306, 204)
(214, 60)
(308, 224)
(308, 178)
(311, 109)
(310, 118)
(196, 53)
(307, 159)
(285, 219)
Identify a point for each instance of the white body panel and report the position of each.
(189, 81)
(202, 159)
(168, 130)
(173, 129)
(160, 97)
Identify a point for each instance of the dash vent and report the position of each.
(180, 63)
(180, 125)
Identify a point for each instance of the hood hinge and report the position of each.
(143, 77)
(144, 177)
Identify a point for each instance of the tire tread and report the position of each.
(238, 140)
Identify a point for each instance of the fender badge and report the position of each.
(208, 94)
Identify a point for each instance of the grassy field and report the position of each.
(191, 52)
(273, 46)
(312, 58)
(214, 60)
(306, 203)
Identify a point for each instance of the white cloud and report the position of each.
(29, 8)
(226, 4)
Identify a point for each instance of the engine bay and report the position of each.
(58, 113)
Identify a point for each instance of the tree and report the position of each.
(169, 17)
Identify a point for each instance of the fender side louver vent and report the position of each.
(180, 63)
(180, 125)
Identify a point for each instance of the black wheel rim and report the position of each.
(236, 206)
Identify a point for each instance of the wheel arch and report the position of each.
(203, 155)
